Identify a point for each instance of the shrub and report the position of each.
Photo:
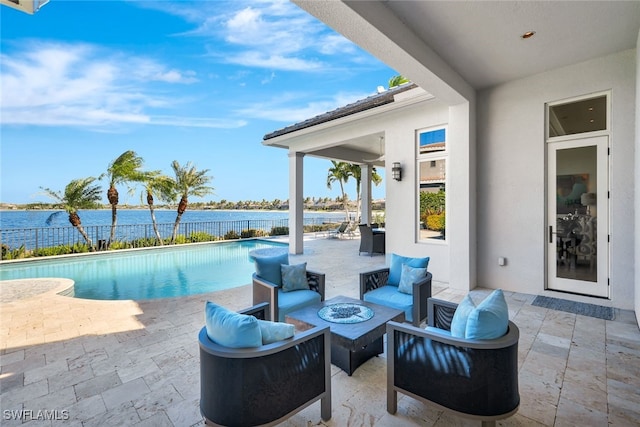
(436, 222)
(252, 232)
(8, 253)
(139, 243)
(231, 235)
(181, 239)
(201, 236)
(279, 231)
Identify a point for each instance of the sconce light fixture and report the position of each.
(396, 171)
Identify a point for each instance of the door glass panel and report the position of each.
(576, 213)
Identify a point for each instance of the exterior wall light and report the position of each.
(396, 171)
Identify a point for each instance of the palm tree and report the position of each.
(397, 81)
(188, 182)
(340, 172)
(163, 187)
(125, 168)
(356, 173)
(78, 194)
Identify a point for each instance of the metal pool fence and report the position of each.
(43, 237)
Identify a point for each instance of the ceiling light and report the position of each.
(528, 35)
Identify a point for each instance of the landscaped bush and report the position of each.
(76, 248)
(8, 253)
(279, 231)
(436, 222)
(252, 232)
(139, 243)
(201, 236)
(231, 235)
(318, 227)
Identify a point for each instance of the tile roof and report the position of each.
(367, 103)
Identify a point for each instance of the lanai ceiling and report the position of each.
(482, 40)
(473, 44)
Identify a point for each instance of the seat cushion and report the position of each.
(275, 331)
(490, 318)
(395, 268)
(294, 277)
(409, 276)
(231, 329)
(295, 300)
(268, 267)
(461, 317)
(390, 297)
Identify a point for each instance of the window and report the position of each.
(570, 118)
(432, 167)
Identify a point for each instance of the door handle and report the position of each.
(551, 233)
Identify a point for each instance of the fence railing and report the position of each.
(31, 239)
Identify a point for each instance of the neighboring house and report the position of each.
(522, 118)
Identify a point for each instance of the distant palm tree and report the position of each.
(78, 194)
(340, 172)
(163, 187)
(188, 182)
(356, 173)
(397, 81)
(126, 168)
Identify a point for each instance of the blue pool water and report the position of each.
(150, 273)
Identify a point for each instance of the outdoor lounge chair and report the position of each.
(264, 385)
(340, 231)
(474, 378)
(269, 286)
(375, 287)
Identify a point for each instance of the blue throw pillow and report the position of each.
(395, 269)
(490, 319)
(409, 276)
(461, 316)
(268, 268)
(294, 277)
(275, 331)
(231, 329)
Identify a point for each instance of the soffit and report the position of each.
(481, 40)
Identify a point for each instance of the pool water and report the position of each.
(151, 273)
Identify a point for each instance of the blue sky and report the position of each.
(84, 81)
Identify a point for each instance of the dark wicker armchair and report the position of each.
(476, 379)
(374, 283)
(265, 385)
(371, 242)
(280, 302)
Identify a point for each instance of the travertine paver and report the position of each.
(137, 363)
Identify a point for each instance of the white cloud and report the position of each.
(292, 108)
(262, 60)
(276, 35)
(81, 85)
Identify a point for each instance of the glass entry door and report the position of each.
(578, 216)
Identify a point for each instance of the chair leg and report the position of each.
(392, 401)
(325, 408)
(489, 423)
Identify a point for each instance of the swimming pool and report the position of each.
(150, 273)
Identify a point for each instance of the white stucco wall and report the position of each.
(637, 180)
(401, 196)
(511, 160)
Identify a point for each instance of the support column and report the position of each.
(365, 193)
(296, 203)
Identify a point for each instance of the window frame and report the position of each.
(427, 158)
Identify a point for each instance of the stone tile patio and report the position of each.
(101, 363)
